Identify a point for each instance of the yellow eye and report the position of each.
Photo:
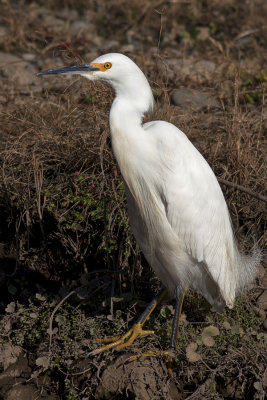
(107, 65)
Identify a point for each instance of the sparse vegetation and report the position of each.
(70, 268)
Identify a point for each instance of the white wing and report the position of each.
(194, 205)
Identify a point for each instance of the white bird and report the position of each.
(177, 210)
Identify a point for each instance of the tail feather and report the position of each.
(247, 267)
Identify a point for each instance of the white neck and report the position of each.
(133, 97)
(127, 134)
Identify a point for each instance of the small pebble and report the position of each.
(28, 56)
(262, 300)
(193, 99)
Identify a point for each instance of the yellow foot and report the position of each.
(169, 353)
(119, 343)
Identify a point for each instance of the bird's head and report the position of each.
(116, 69)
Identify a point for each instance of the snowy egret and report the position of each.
(177, 210)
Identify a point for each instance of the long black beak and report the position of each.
(74, 70)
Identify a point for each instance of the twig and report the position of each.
(111, 299)
(243, 189)
(106, 232)
(17, 250)
(52, 317)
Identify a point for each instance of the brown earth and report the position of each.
(70, 269)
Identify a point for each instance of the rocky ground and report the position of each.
(70, 269)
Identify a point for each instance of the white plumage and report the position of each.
(177, 211)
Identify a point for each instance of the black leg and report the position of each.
(137, 329)
(152, 305)
(180, 292)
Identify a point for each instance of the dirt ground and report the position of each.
(70, 270)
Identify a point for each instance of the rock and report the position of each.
(9, 355)
(20, 392)
(193, 99)
(143, 381)
(16, 70)
(28, 392)
(67, 13)
(259, 312)
(177, 67)
(78, 27)
(91, 55)
(97, 40)
(204, 70)
(3, 34)
(53, 24)
(250, 65)
(261, 272)
(265, 324)
(111, 45)
(204, 32)
(28, 56)
(128, 48)
(262, 300)
(3, 100)
(14, 374)
(200, 71)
